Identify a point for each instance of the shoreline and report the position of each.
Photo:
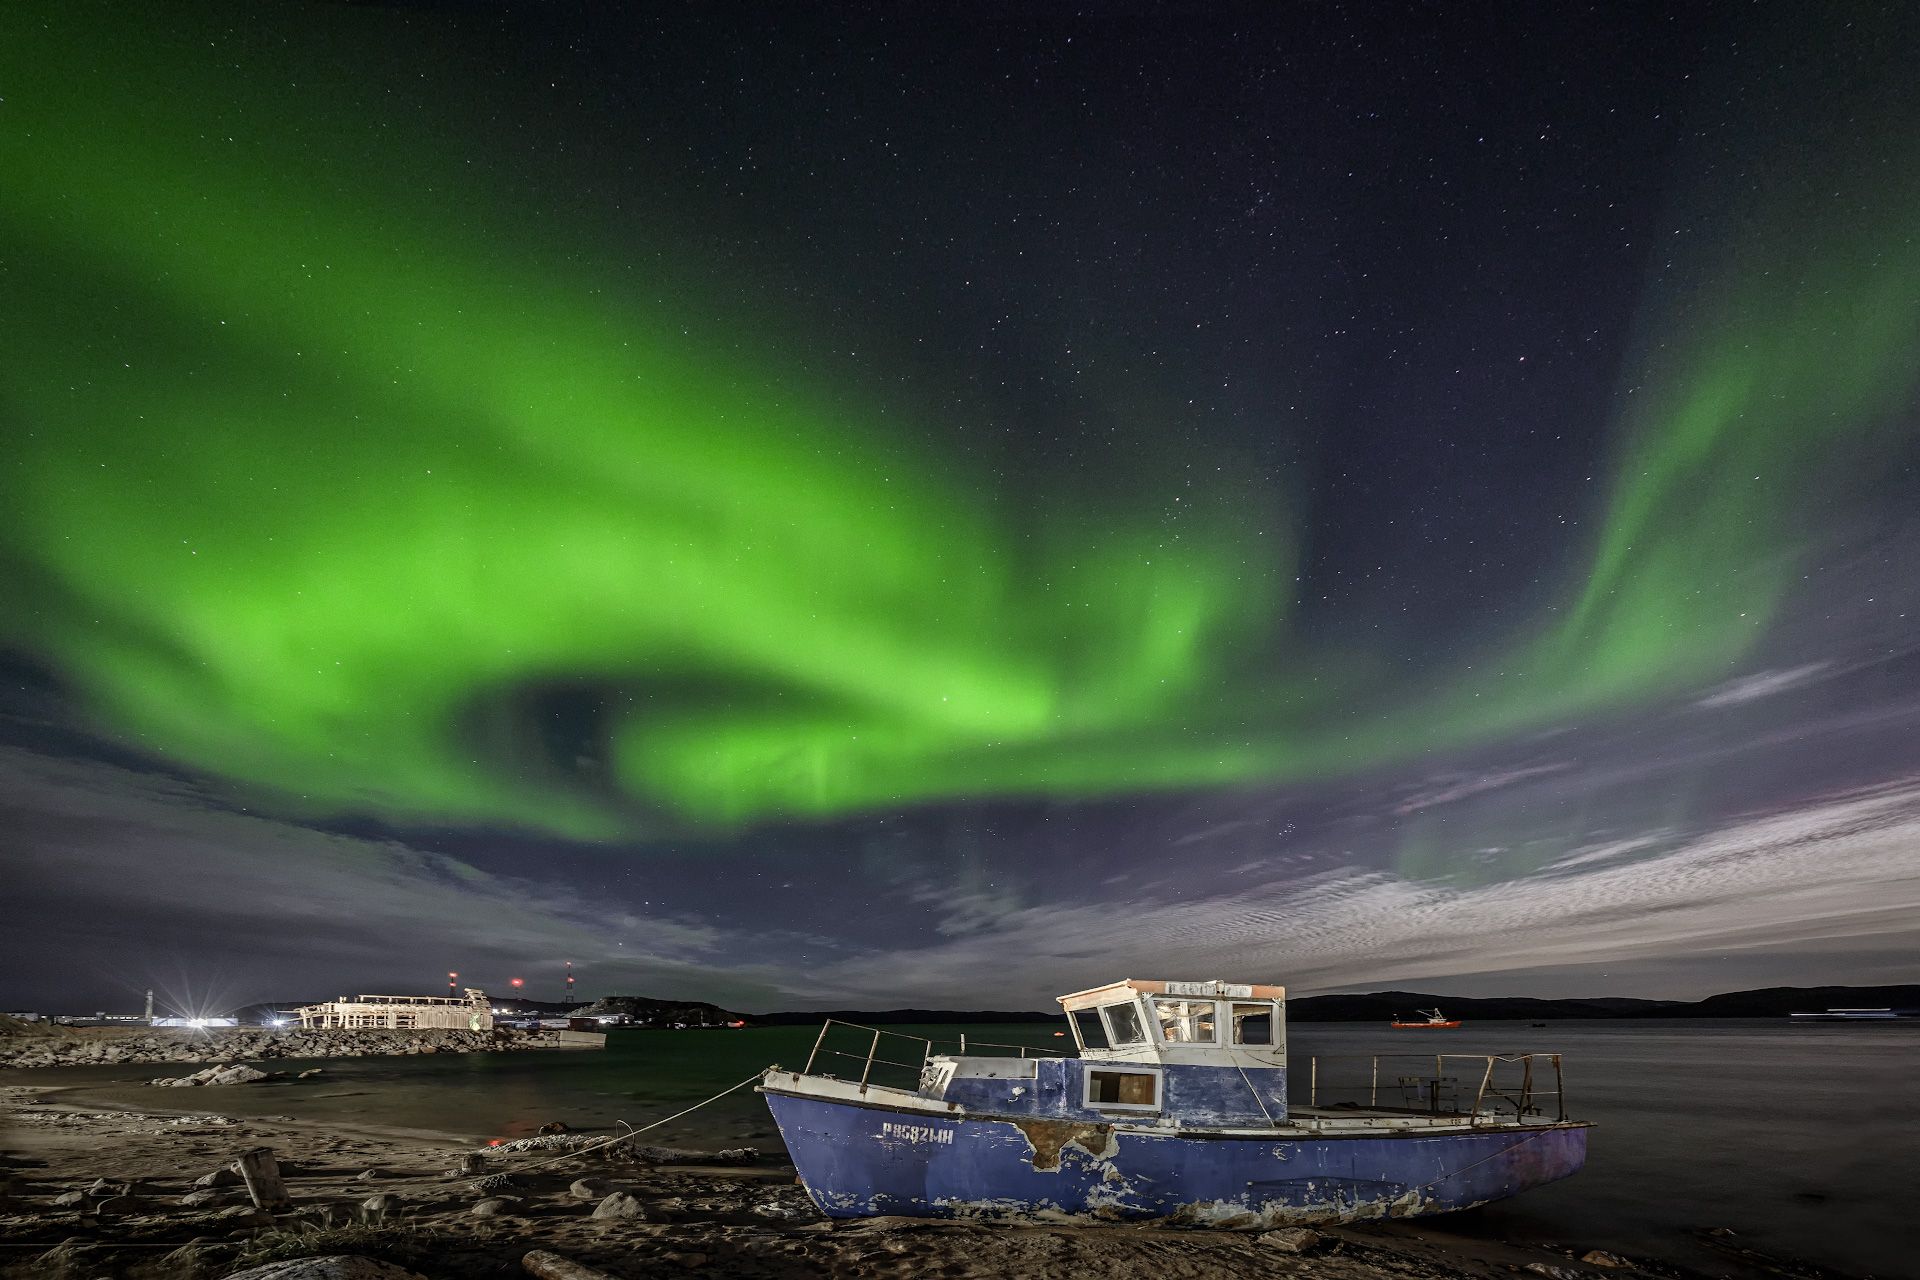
(680, 1211)
(76, 1098)
(168, 1046)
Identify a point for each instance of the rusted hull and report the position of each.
(860, 1161)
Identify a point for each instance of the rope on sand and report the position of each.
(634, 1133)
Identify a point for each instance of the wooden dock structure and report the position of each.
(403, 1013)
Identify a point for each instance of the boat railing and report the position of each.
(1476, 1086)
(865, 1045)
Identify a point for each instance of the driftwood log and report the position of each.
(551, 1266)
(261, 1172)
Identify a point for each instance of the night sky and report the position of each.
(947, 504)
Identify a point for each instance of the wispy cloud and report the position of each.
(145, 869)
(1842, 868)
(1764, 684)
(1459, 786)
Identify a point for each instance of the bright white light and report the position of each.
(196, 1022)
(279, 1022)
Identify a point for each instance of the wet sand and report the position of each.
(749, 1220)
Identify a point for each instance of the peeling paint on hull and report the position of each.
(855, 1163)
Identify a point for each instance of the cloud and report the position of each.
(1840, 869)
(114, 874)
(1764, 684)
(1459, 786)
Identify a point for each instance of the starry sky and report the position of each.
(877, 505)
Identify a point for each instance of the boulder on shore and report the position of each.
(620, 1205)
(225, 1073)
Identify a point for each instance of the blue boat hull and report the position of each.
(860, 1161)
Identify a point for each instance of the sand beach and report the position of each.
(93, 1192)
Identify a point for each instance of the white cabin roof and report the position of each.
(1207, 989)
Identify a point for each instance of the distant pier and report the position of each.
(400, 1013)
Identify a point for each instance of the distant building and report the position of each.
(403, 1013)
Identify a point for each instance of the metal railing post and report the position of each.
(1313, 1081)
(808, 1069)
(872, 1053)
(1373, 1085)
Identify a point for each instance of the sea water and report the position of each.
(1801, 1139)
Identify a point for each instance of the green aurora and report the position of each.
(358, 495)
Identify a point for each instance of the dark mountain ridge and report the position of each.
(1372, 1006)
(1384, 1006)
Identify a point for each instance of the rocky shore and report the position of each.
(66, 1047)
(87, 1194)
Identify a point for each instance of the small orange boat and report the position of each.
(1435, 1021)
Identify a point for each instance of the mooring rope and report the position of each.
(1258, 1101)
(634, 1133)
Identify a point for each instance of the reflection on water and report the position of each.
(1804, 1139)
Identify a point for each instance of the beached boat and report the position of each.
(1434, 1021)
(1175, 1107)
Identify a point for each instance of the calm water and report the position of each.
(1804, 1139)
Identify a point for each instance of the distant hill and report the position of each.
(1771, 1001)
(644, 1011)
(1768, 1002)
(1373, 1006)
(1384, 1006)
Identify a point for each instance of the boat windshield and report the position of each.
(1123, 1024)
(1185, 1021)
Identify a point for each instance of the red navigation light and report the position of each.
(519, 982)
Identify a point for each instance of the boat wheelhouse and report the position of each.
(1175, 1106)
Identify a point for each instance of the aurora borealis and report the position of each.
(721, 480)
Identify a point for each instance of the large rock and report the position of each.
(592, 1189)
(224, 1176)
(340, 1266)
(620, 1205)
(493, 1207)
(238, 1073)
(1291, 1239)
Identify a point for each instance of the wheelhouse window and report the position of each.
(1253, 1023)
(1185, 1021)
(1123, 1090)
(1123, 1024)
(1092, 1033)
